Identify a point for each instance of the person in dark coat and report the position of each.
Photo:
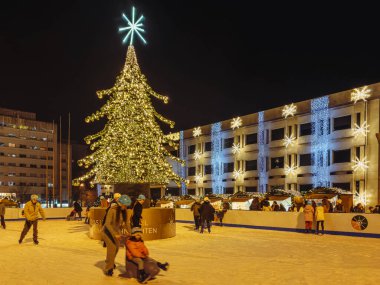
(207, 214)
(137, 212)
(78, 209)
(195, 209)
(2, 213)
(255, 205)
(222, 212)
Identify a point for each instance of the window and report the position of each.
(277, 162)
(251, 139)
(22, 155)
(22, 174)
(208, 146)
(227, 143)
(278, 134)
(228, 190)
(191, 171)
(11, 145)
(191, 191)
(305, 129)
(305, 159)
(340, 156)
(33, 165)
(22, 184)
(228, 167)
(306, 187)
(50, 167)
(12, 164)
(191, 149)
(43, 166)
(250, 165)
(11, 183)
(207, 169)
(50, 149)
(22, 165)
(342, 123)
(208, 191)
(251, 189)
(22, 146)
(345, 186)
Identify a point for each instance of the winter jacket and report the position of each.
(77, 207)
(207, 211)
(195, 209)
(113, 220)
(319, 213)
(2, 209)
(137, 210)
(339, 208)
(31, 211)
(267, 209)
(308, 213)
(136, 248)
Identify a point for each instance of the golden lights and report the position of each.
(236, 123)
(197, 132)
(289, 110)
(360, 94)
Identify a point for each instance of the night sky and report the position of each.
(214, 59)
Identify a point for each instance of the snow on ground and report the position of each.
(66, 255)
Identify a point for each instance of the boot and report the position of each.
(163, 266)
(142, 277)
(109, 272)
(35, 242)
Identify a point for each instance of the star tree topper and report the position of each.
(133, 27)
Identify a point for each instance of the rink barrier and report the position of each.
(368, 235)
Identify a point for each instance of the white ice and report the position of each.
(66, 255)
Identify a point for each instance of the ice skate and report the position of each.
(35, 242)
(109, 272)
(142, 277)
(163, 266)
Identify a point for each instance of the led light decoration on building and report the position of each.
(197, 132)
(197, 155)
(360, 164)
(289, 140)
(182, 154)
(216, 158)
(320, 143)
(290, 170)
(361, 131)
(360, 94)
(198, 178)
(237, 173)
(289, 110)
(263, 177)
(236, 148)
(236, 123)
(133, 27)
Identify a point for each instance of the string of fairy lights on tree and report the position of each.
(131, 148)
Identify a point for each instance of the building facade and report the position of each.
(329, 141)
(29, 158)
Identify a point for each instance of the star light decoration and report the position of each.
(290, 170)
(133, 27)
(236, 123)
(198, 178)
(360, 164)
(236, 148)
(237, 173)
(361, 130)
(360, 94)
(197, 132)
(289, 140)
(197, 155)
(289, 110)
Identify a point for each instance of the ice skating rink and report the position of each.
(66, 255)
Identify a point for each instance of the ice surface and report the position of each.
(66, 255)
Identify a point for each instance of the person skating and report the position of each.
(138, 254)
(320, 218)
(137, 211)
(111, 232)
(2, 213)
(308, 213)
(31, 210)
(207, 214)
(222, 211)
(195, 209)
(78, 209)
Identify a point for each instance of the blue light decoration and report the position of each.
(182, 153)
(320, 143)
(132, 28)
(263, 177)
(216, 157)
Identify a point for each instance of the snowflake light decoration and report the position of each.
(236, 123)
(289, 110)
(197, 132)
(237, 173)
(198, 178)
(236, 148)
(360, 94)
(360, 164)
(290, 170)
(288, 140)
(133, 27)
(361, 130)
(197, 155)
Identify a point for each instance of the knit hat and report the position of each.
(141, 197)
(136, 230)
(206, 199)
(116, 195)
(125, 200)
(34, 196)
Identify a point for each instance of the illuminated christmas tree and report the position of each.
(131, 148)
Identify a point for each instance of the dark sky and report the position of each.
(214, 59)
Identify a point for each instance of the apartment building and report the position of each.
(328, 141)
(29, 158)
